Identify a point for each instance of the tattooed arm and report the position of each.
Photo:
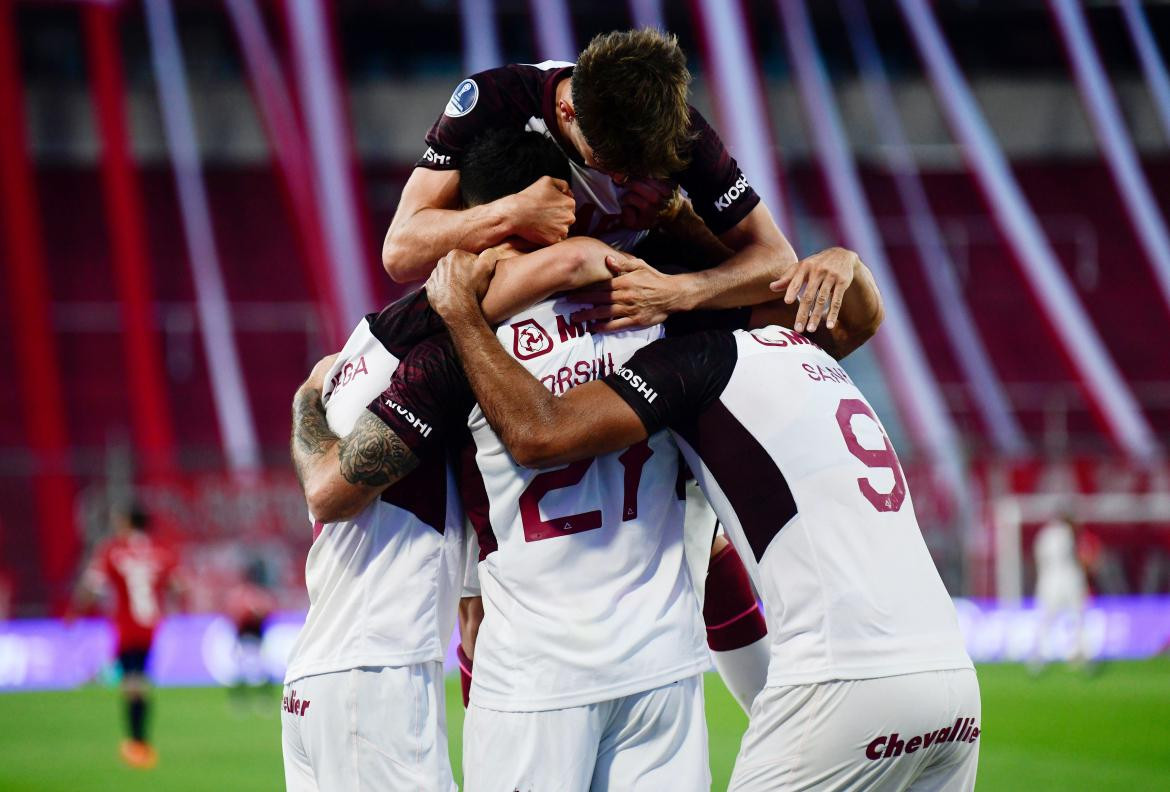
(342, 475)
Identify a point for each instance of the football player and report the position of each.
(138, 571)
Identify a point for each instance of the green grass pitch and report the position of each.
(1063, 731)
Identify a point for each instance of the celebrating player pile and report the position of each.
(596, 592)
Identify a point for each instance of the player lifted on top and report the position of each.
(621, 116)
(870, 686)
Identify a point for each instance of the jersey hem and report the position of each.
(849, 673)
(595, 696)
(296, 672)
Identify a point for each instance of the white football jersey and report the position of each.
(383, 587)
(587, 596)
(804, 479)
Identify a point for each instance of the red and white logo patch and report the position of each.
(530, 340)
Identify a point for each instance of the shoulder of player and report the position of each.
(707, 151)
(519, 85)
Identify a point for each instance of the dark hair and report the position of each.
(630, 97)
(135, 516)
(505, 161)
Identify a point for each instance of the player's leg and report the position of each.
(136, 749)
(736, 632)
(298, 769)
(656, 740)
(378, 728)
(551, 749)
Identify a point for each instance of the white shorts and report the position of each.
(376, 729)
(911, 732)
(651, 741)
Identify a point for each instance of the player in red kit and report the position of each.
(135, 571)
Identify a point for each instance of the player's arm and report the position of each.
(342, 475)
(760, 255)
(430, 220)
(537, 428)
(522, 281)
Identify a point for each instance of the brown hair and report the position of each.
(630, 96)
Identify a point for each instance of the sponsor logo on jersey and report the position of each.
(422, 426)
(578, 373)
(638, 384)
(728, 198)
(348, 373)
(530, 340)
(463, 100)
(439, 159)
(294, 705)
(567, 329)
(964, 730)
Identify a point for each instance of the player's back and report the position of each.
(587, 596)
(383, 585)
(136, 567)
(800, 469)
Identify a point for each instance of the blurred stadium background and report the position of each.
(192, 199)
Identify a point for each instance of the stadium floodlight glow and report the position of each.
(990, 399)
(274, 101)
(913, 384)
(481, 37)
(554, 30)
(647, 14)
(1114, 140)
(150, 410)
(1104, 384)
(233, 413)
(328, 133)
(739, 100)
(1152, 64)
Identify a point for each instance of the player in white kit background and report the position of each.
(870, 686)
(1062, 588)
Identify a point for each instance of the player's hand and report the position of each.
(483, 269)
(638, 296)
(451, 288)
(643, 200)
(825, 277)
(544, 211)
(320, 371)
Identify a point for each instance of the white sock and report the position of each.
(744, 671)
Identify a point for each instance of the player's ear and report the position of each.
(565, 108)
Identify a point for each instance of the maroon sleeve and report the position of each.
(428, 397)
(674, 378)
(493, 99)
(405, 323)
(717, 187)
